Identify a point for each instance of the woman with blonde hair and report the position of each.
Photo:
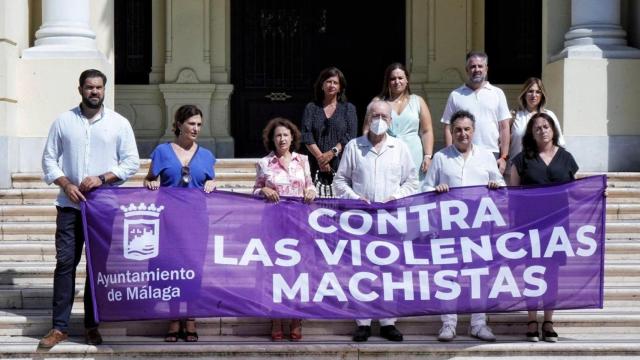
(532, 100)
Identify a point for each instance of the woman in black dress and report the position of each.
(542, 161)
(328, 123)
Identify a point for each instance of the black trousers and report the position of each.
(69, 243)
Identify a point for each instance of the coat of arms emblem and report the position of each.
(141, 238)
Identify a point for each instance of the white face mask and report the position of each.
(378, 126)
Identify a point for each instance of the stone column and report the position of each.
(14, 25)
(596, 32)
(593, 87)
(65, 31)
(48, 72)
(158, 20)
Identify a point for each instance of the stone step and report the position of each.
(630, 197)
(40, 296)
(36, 322)
(47, 196)
(34, 230)
(223, 179)
(575, 345)
(623, 195)
(622, 236)
(248, 166)
(224, 165)
(47, 213)
(616, 179)
(623, 211)
(44, 250)
(618, 272)
(228, 171)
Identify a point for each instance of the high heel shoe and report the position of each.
(276, 330)
(533, 336)
(549, 335)
(190, 336)
(173, 336)
(295, 330)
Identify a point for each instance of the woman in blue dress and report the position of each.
(411, 119)
(182, 163)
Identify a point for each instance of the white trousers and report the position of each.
(383, 322)
(476, 319)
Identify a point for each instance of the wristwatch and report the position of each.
(335, 150)
(102, 179)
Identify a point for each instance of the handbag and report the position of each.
(322, 182)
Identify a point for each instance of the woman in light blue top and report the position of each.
(182, 163)
(411, 119)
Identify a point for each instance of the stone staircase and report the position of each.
(27, 260)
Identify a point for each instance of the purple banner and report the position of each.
(176, 253)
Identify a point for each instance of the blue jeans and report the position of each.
(69, 242)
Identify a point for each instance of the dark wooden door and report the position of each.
(279, 47)
(513, 40)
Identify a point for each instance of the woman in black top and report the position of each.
(328, 123)
(542, 161)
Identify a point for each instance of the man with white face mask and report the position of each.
(376, 167)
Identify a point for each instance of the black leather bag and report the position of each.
(322, 182)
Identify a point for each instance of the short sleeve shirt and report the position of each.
(562, 168)
(488, 105)
(165, 163)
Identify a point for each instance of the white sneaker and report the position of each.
(447, 332)
(482, 332)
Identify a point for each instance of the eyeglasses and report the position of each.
(185, 172)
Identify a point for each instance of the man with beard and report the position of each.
(463, 164)
(88, 146)
(487, 103)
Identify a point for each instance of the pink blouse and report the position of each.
(287, 182)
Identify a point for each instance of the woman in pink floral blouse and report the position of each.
(283, 173)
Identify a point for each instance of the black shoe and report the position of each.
(362, 333)
(533, 336)
(390, 332)
(549, 336)
(92, 336)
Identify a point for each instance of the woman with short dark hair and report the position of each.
(182, 163)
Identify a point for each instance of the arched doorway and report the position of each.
(278, 47)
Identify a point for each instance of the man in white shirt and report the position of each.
(88, 146)
(376, 168)
(487, 103)
(463, 164)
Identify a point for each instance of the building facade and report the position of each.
(244, 61)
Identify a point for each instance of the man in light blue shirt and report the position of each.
(88, 146)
